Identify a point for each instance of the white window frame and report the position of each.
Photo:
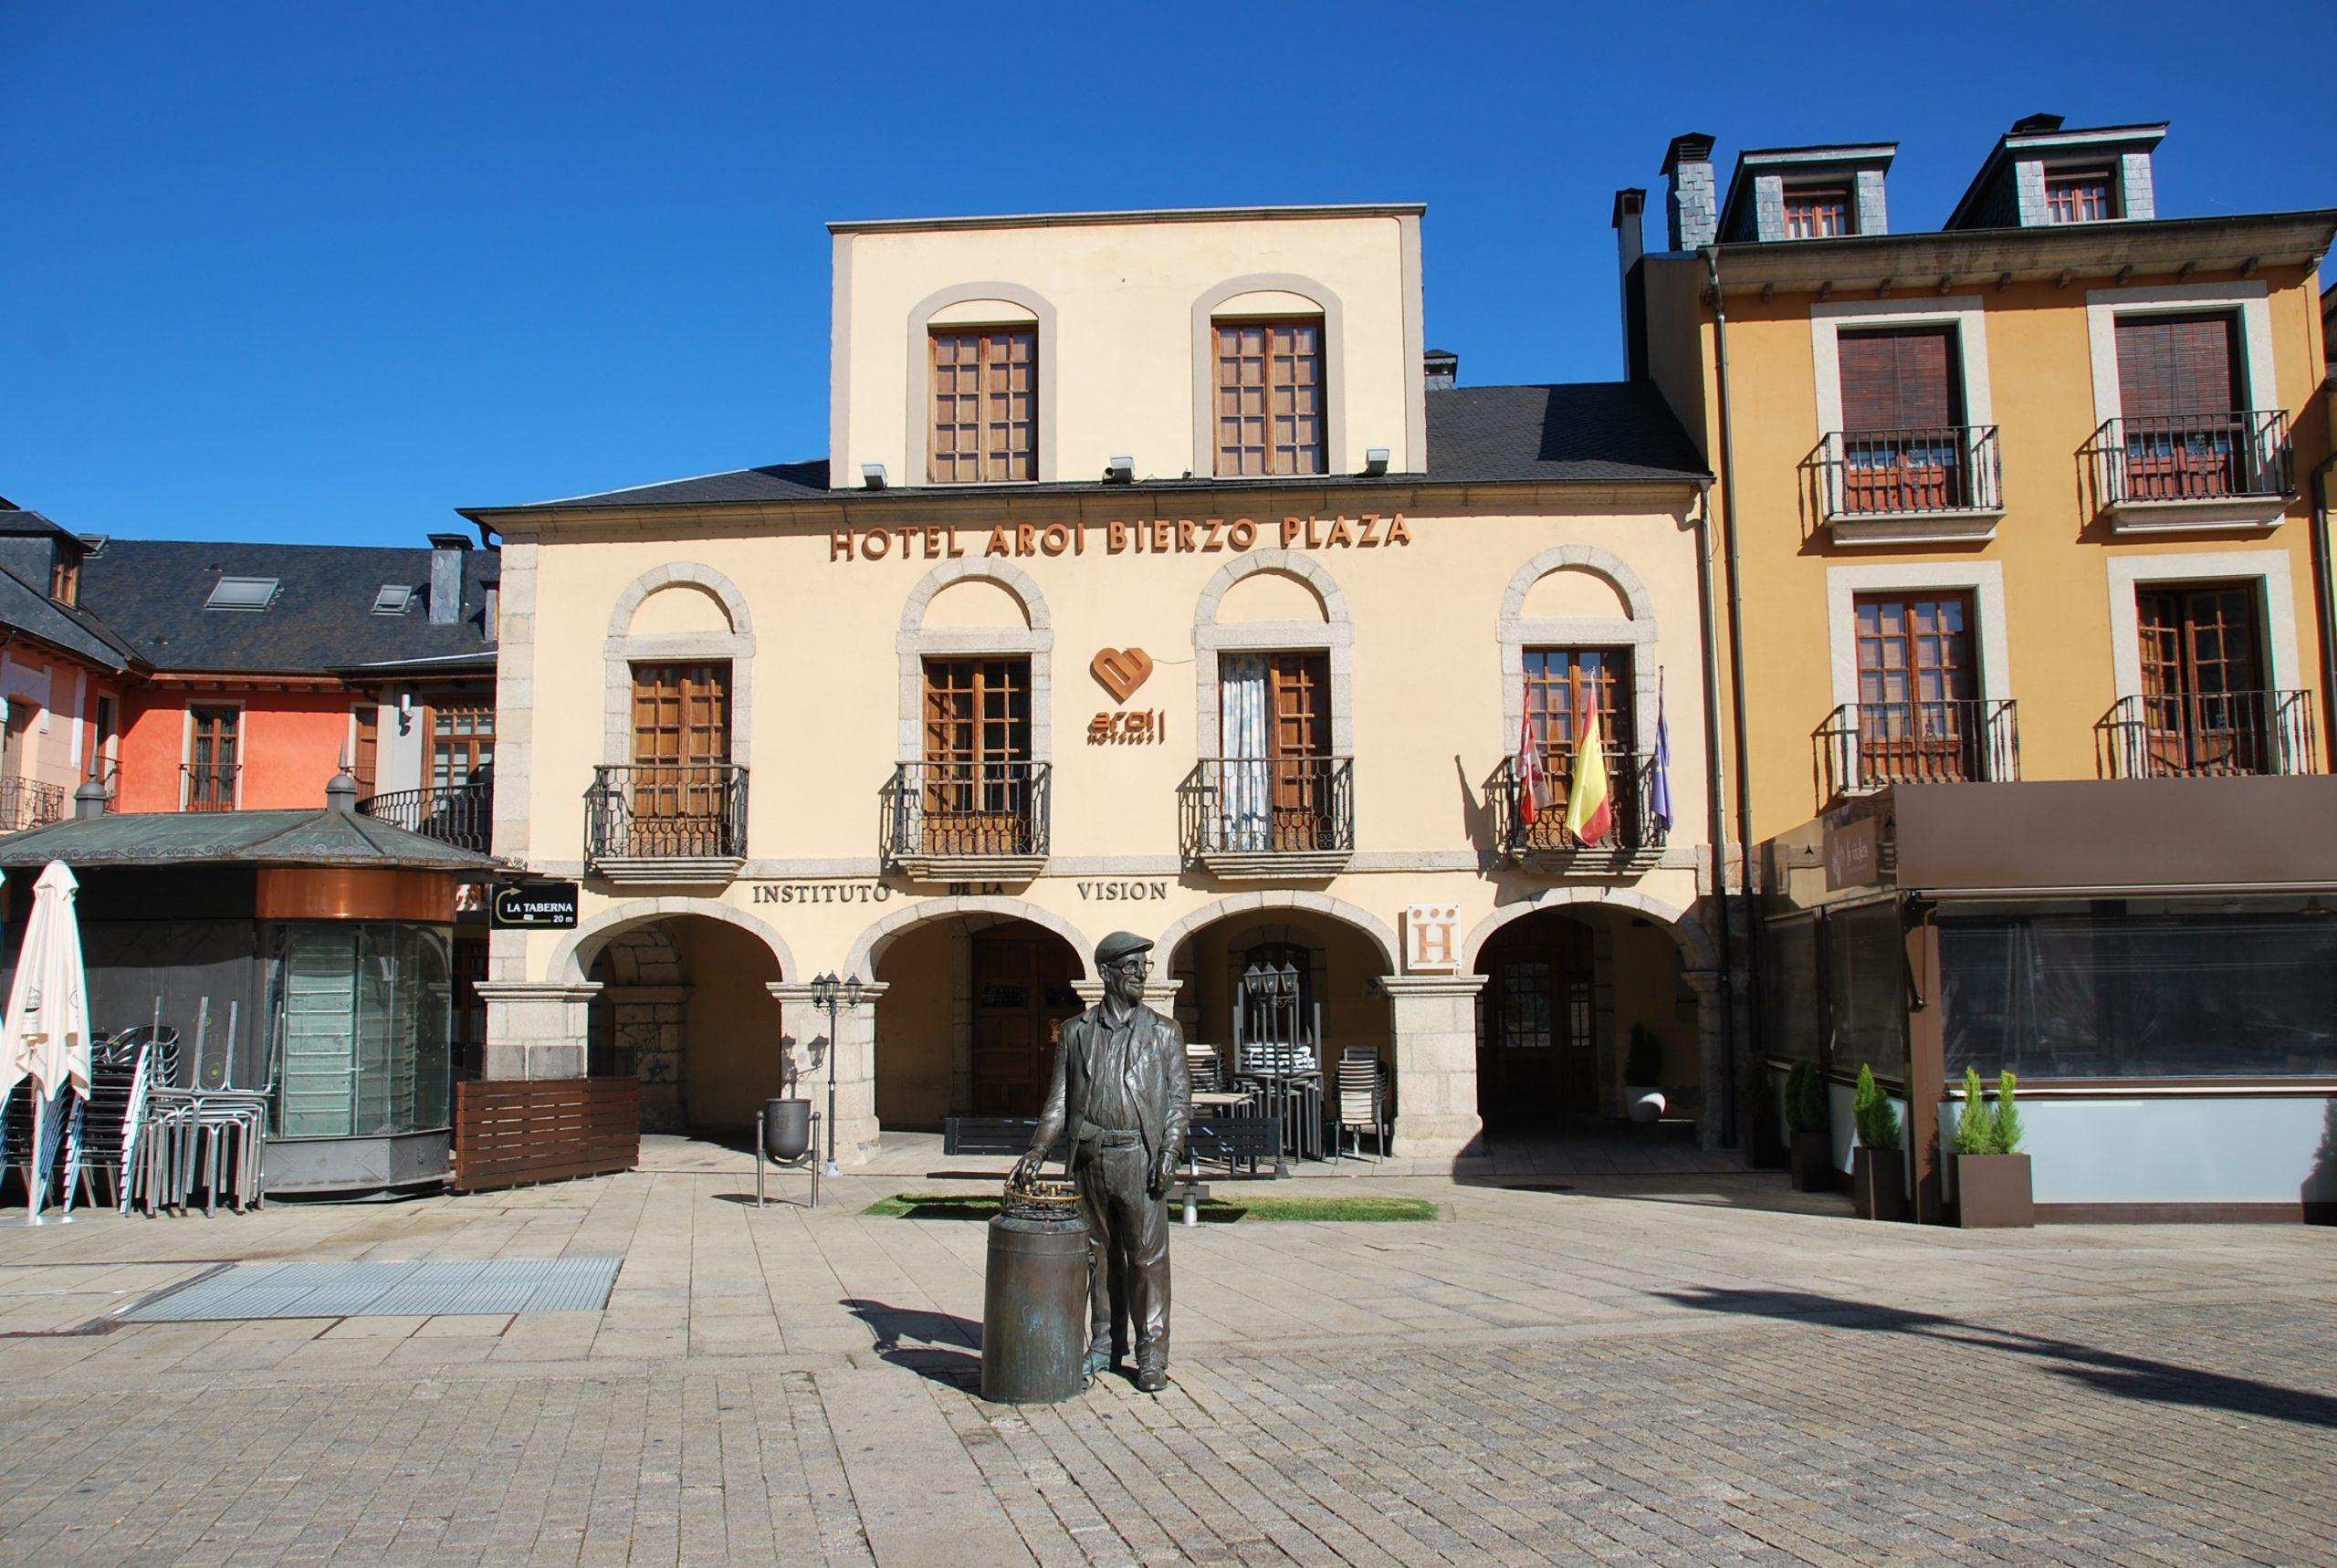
(2268, 569)
(1964, 312)
(1983, 579)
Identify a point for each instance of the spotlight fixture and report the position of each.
(1375, 462)
(1120, 471)
(871, 476)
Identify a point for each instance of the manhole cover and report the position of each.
(386, 1290)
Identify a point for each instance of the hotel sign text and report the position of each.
(1146, 536)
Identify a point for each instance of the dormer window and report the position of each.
(65, 580)
(2078, 196)
(1270, 409)
(985, 399)
(1821, 212)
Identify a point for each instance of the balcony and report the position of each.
(29, 803)
(463, 817)
(2187, 472)
(666, 822)
(1545, 848)
(966, 821)
(1269, 819)
(208, 786)
(1863, 747)
(2192, 736)
(1911, 486)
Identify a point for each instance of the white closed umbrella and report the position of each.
(45, 1035)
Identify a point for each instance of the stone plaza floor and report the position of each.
(1681, 1364)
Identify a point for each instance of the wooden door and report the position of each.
(212, 758)
(2178, 389)
(1901, 413)
(681, 752)
(1298, 749)
(2203, 708)
(1023, 993)
(977, 755)
(1918, 687)
(1537, 1046)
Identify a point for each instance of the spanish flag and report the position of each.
(1590, 812)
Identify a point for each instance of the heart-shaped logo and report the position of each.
(1121, 671)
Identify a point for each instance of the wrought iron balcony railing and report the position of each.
(1631, 782)
(965, 810)
(645, 810)
(29, 803)
(2194, 457)
(1942, 468)
(209, 786)
(1869, 746)
(1268, 805)
(2188, 734)
(463, 816)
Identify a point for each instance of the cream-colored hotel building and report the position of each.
(1157, 578)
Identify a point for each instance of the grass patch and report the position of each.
(1213, 1211)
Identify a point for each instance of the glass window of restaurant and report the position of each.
(364, 1012)
(1836, 989)
(2140, 989)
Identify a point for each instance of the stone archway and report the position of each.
(582, 946)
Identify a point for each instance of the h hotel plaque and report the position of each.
(1432, 938)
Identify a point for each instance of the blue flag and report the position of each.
(1659, 790)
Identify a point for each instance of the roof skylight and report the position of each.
(395, 599)
(242, 593)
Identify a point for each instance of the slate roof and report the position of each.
(30, 609)
(1585, 432)
(150, 592)
(319, 837)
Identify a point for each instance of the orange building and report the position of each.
(2020, 553)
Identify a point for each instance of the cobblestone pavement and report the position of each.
(1697, 1377)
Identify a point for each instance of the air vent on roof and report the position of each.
(94, 543)
(395, 599)
(242, 593)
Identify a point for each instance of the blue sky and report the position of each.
(309, 271)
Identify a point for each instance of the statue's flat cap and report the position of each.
(1119, 945)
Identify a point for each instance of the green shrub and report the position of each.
(1877, 1119)
(1975, 1127)
(1643, 1063)
(2008, 1128)
(1805, 1107)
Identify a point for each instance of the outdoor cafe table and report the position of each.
(1216, 1102)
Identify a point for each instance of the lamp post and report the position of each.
(833, 994)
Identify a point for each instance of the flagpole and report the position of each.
(34, 1178)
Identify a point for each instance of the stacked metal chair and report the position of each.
(1362, 1104)
(117, 1111)
(208, 1135)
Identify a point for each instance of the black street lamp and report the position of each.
(833, 994)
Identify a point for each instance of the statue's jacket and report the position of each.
(1158, 1081)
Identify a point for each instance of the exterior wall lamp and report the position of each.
(871, 476)
(1120, 471)
(1375, 462)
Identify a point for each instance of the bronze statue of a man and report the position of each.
(1122, 1093)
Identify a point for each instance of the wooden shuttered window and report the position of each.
(681, 742)
(365, 763)
(2202, 709)
(1918, 682)
(212, 756)
(1900, 379)
(462, 742)
(985, 426)
(1561, 683)
(2079, 197)
(2175, 367)
(1298, 746)
(978, 775)
(1271, 417)
(1818, 213)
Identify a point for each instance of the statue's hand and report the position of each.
(1026, 1169)
(1164, 1176)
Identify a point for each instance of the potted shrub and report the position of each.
(1993, 1191)
(1643, 1076)
(1757, 1107)
(1878, 1172)
(1807, 1118)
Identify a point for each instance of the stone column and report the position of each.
(650, 1021)
(535, 1029)
(1434, 1019)
(803, 1027)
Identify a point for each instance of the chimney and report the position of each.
(1630, 243)
(1695, 206)
(89, 800)
(2027, 124)
(340, 795)
(1441, 366)
(447, 552)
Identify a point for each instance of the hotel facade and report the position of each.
(1158, 577)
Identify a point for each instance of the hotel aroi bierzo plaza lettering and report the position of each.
(1146, 536)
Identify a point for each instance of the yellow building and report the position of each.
(1157, 578)
(2021, 554)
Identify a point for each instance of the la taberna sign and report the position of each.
(532, 907)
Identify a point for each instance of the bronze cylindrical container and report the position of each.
(1035, 1305)
(787, 1129)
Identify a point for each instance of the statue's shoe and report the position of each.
(1098, 1363)
(1150, 1379)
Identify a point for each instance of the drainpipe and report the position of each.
(1716, 808)
(2321, 591)
(1754, 1000)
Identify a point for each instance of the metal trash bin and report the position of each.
(1034, 1298)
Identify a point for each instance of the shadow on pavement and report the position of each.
(2127, 1376)
(950, 1345)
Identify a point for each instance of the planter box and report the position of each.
(1993, 1192)
(1879, 1184)
(1812, 1156)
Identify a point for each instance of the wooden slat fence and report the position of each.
(508, 1135)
